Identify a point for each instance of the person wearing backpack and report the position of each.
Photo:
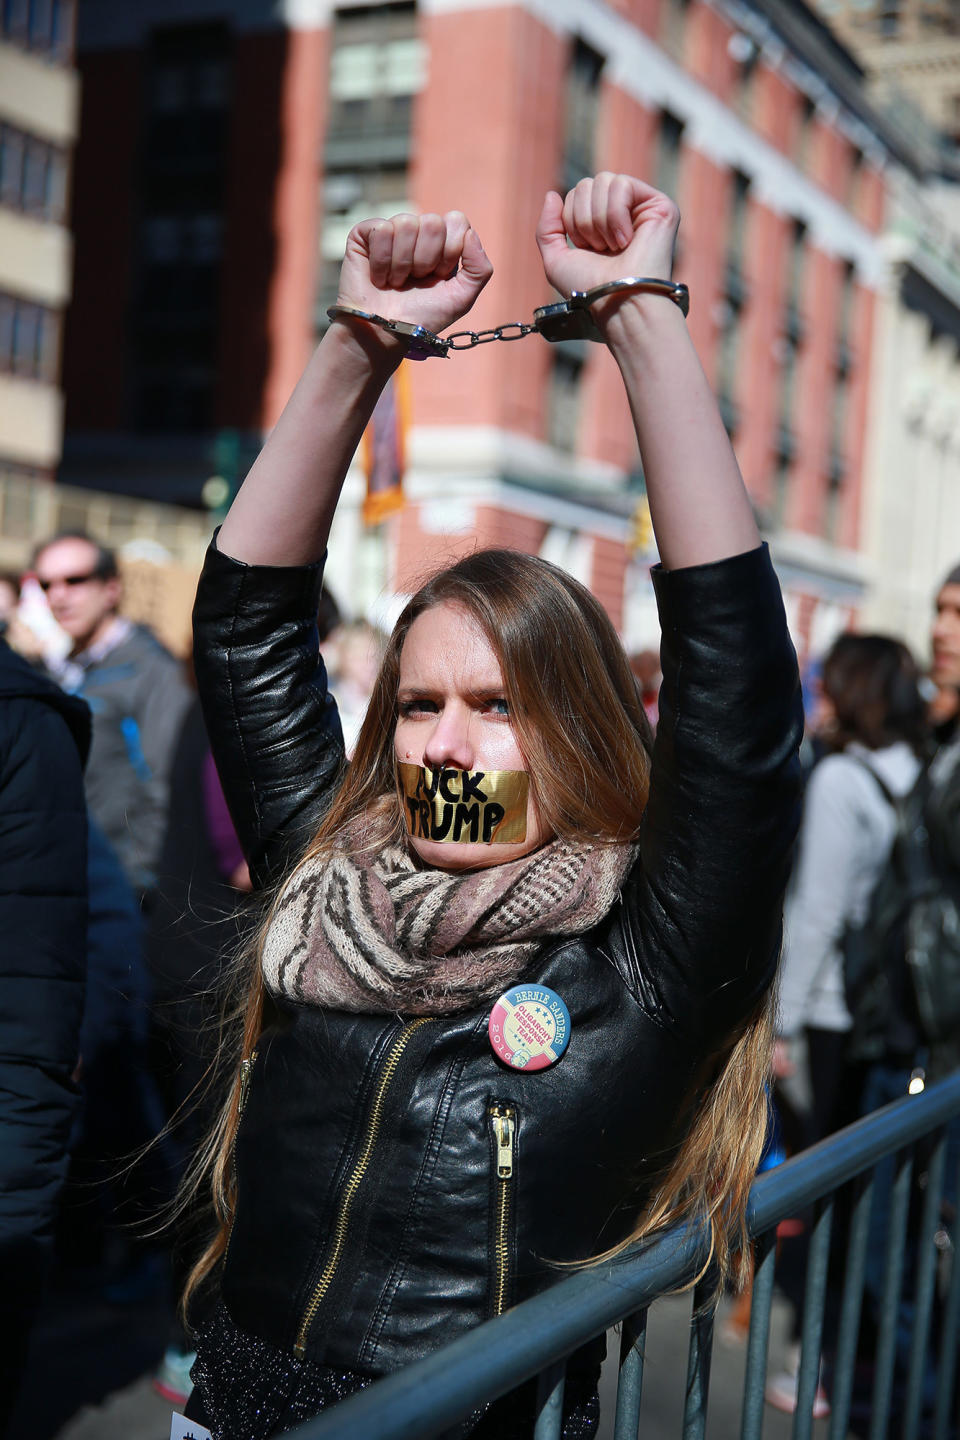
(872, 722)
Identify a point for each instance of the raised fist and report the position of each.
(617, 226)
(426, 269)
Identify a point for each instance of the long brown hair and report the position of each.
(581, 727)
(873, 683)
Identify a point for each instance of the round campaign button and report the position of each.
(529, 1027)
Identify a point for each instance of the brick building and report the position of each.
(228, 146)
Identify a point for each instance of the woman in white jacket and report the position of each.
(873, 721)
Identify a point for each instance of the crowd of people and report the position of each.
(870, 974)
(512, 922)
(119, 1031)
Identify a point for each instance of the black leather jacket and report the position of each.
(377, 1216)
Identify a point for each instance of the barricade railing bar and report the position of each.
(876, 1157)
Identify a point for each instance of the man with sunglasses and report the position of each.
(137, 694)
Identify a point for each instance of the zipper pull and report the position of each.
(504, 1126)
(246, 1070)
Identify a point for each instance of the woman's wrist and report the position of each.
(641, 322)
(369, 350)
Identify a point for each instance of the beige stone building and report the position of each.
(39, 118)
(912, 518)
(910, 50)
(39, 96)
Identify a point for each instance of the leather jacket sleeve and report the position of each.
(273, 726)
(701, 913)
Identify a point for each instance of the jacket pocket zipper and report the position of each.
(503, 1122)
(349, 1192)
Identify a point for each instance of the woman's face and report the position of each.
(452, 714)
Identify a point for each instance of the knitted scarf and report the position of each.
(369, 930)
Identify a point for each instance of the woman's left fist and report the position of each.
(617, 226)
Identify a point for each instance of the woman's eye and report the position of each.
(410, 709)
(498, 705)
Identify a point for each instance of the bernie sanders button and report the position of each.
(529, 1027)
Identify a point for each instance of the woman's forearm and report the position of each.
(698, 502)
(283, 511)
(427, 269)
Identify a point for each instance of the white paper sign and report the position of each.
(183, 1429)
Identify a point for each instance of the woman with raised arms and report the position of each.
(510, 1004)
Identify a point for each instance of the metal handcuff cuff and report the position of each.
(565, 320)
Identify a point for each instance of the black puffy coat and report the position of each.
(44, 738)
(373, 1221)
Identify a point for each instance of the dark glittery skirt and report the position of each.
(249, 1390)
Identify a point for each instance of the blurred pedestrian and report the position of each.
(44, 738)
(195, 932)
(136, 693)
(872, 721)
(358, 650)
(645, 665)
(138, 699)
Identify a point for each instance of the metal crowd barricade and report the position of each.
(536, 1337)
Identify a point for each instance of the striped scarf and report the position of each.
(372, 931)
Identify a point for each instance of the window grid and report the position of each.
(563, 401)
(582, 109)
(45, 27)
(377, 66)
(29, 339)
(33, 175)
(669, 145)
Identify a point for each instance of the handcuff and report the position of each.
(565, 320)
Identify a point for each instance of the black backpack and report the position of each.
(902, 963)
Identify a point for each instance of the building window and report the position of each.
(673, 26)
(730, 308)
(193, 83)
(33, 175)
(45, 27)
(745, 53)
(350, 196)
(889, 18)
(788, 385)
(669, 144)
(833, 506)
(377, 66)
(728, 360)
(29, 339)
(183, 164)
(563, 398)
(806, 121)
(795, 268)
(736, 235)
(780, 492)
(840, 405)
(582, 109)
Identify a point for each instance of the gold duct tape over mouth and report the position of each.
(464, 807)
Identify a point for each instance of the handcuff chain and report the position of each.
(469, 339)
(564, 320)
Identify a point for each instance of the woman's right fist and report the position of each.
(425, 269)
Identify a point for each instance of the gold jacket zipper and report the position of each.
(246, 1074)
(503, 1119)
(246, 1071)
(349, 1192)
